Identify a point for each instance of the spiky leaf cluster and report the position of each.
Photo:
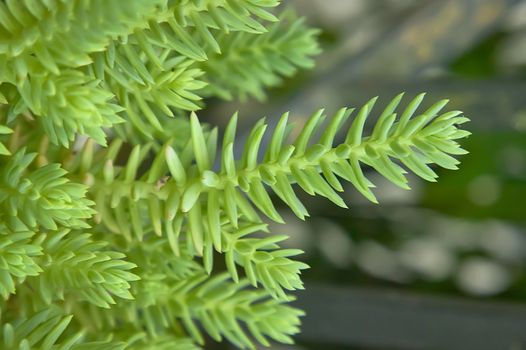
(125, 221)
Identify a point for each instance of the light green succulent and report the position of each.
(111, 209)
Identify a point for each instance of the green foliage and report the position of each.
(18, 259)
(63, 33)
(117, 229)
(45, 330)
(73, 94)
(78, 266)
(221, 306)
(166, 342)
(3, 131)
(42, 197)
(247, 65)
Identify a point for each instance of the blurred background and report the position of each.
(442, 266)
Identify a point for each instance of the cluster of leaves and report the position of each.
(112, 213)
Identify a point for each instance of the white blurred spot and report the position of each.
(337, 10)
(503, 241)
(455, 234)
(380, 262)
(516, 18)
(519, 121)
(482, 277)
(299, 232)
(334, 243)
(429, 258)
